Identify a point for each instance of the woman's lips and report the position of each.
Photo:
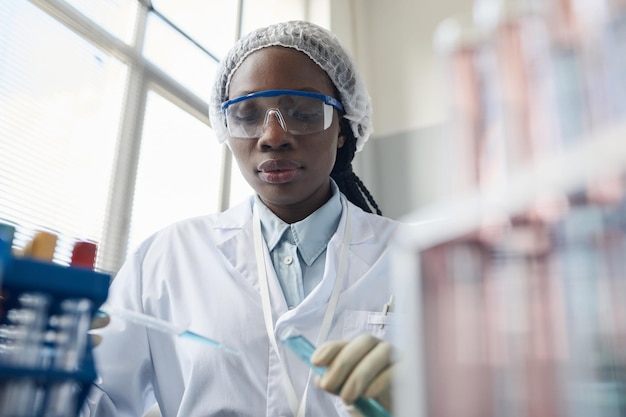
(278, 171)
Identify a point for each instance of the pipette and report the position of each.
(161, 325)
(301, 346)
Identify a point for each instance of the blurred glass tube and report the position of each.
(580, 261)
(522, 76)
(26, 328)
(605, 22)
(456, 351)
(458, 45)
(577, 65)
(71, 343)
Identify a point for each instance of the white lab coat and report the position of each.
(201, 274)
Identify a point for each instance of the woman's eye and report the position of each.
(305, 114)
(246, 116)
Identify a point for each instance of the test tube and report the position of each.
(62, 399)
(577, 98)
(304, 349)
(587, 390)
(70, 345)
(599, 30)
(27, 325)
(24, 330)
(71, 339)
(84, 254)
(7, 233)
(459, 47)
(613, 45)
(466, 266)
(519, 70)
(15, 395)
(41, 246)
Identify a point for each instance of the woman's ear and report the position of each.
(341, 139)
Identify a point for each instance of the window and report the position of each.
(58, 128)
(178, 57)
(178, 172)
(103, 116)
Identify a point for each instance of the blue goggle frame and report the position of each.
(275, 93)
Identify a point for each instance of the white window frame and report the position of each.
(143, 76)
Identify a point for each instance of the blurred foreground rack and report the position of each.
(517, 294)
(46, 366)
(516, 285)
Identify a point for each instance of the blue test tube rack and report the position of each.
(46, 369)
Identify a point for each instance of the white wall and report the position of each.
(392, 43)
(405, 166)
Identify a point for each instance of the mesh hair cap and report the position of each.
(323, 48)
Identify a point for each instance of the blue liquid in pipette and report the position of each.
(202, 339)
(304, 349)
(162, 326)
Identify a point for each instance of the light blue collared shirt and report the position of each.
(298, 250)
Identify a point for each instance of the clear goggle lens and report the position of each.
(298, 112)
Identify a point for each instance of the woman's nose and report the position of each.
(275, 131)
(277, 115)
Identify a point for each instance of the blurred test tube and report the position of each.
(521, 75)
(597, 28)
(41, 246)
(73, 324)
(71, 341)
(84, 254)
(456, 355)
(581, 100)
(460, 46)
(23, 345)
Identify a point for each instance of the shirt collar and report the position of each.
(311, 234)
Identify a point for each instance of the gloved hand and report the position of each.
(359, 367)
(97, 323)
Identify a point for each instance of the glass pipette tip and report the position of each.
(162, 325)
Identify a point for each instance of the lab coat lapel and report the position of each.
(358, 261)
(237, 247)
(364, 247)
(236, 243)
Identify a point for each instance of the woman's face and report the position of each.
(291, 174)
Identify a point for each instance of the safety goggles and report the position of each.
(298, 112)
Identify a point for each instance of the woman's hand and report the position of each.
(98, 322)
(359, 367)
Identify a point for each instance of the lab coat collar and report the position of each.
(311, 234)
(235, 241)
(233, 222)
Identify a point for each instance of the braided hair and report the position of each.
(347, 181)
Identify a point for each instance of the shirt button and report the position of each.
(288, 260)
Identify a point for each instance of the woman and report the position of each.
(304, 252)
